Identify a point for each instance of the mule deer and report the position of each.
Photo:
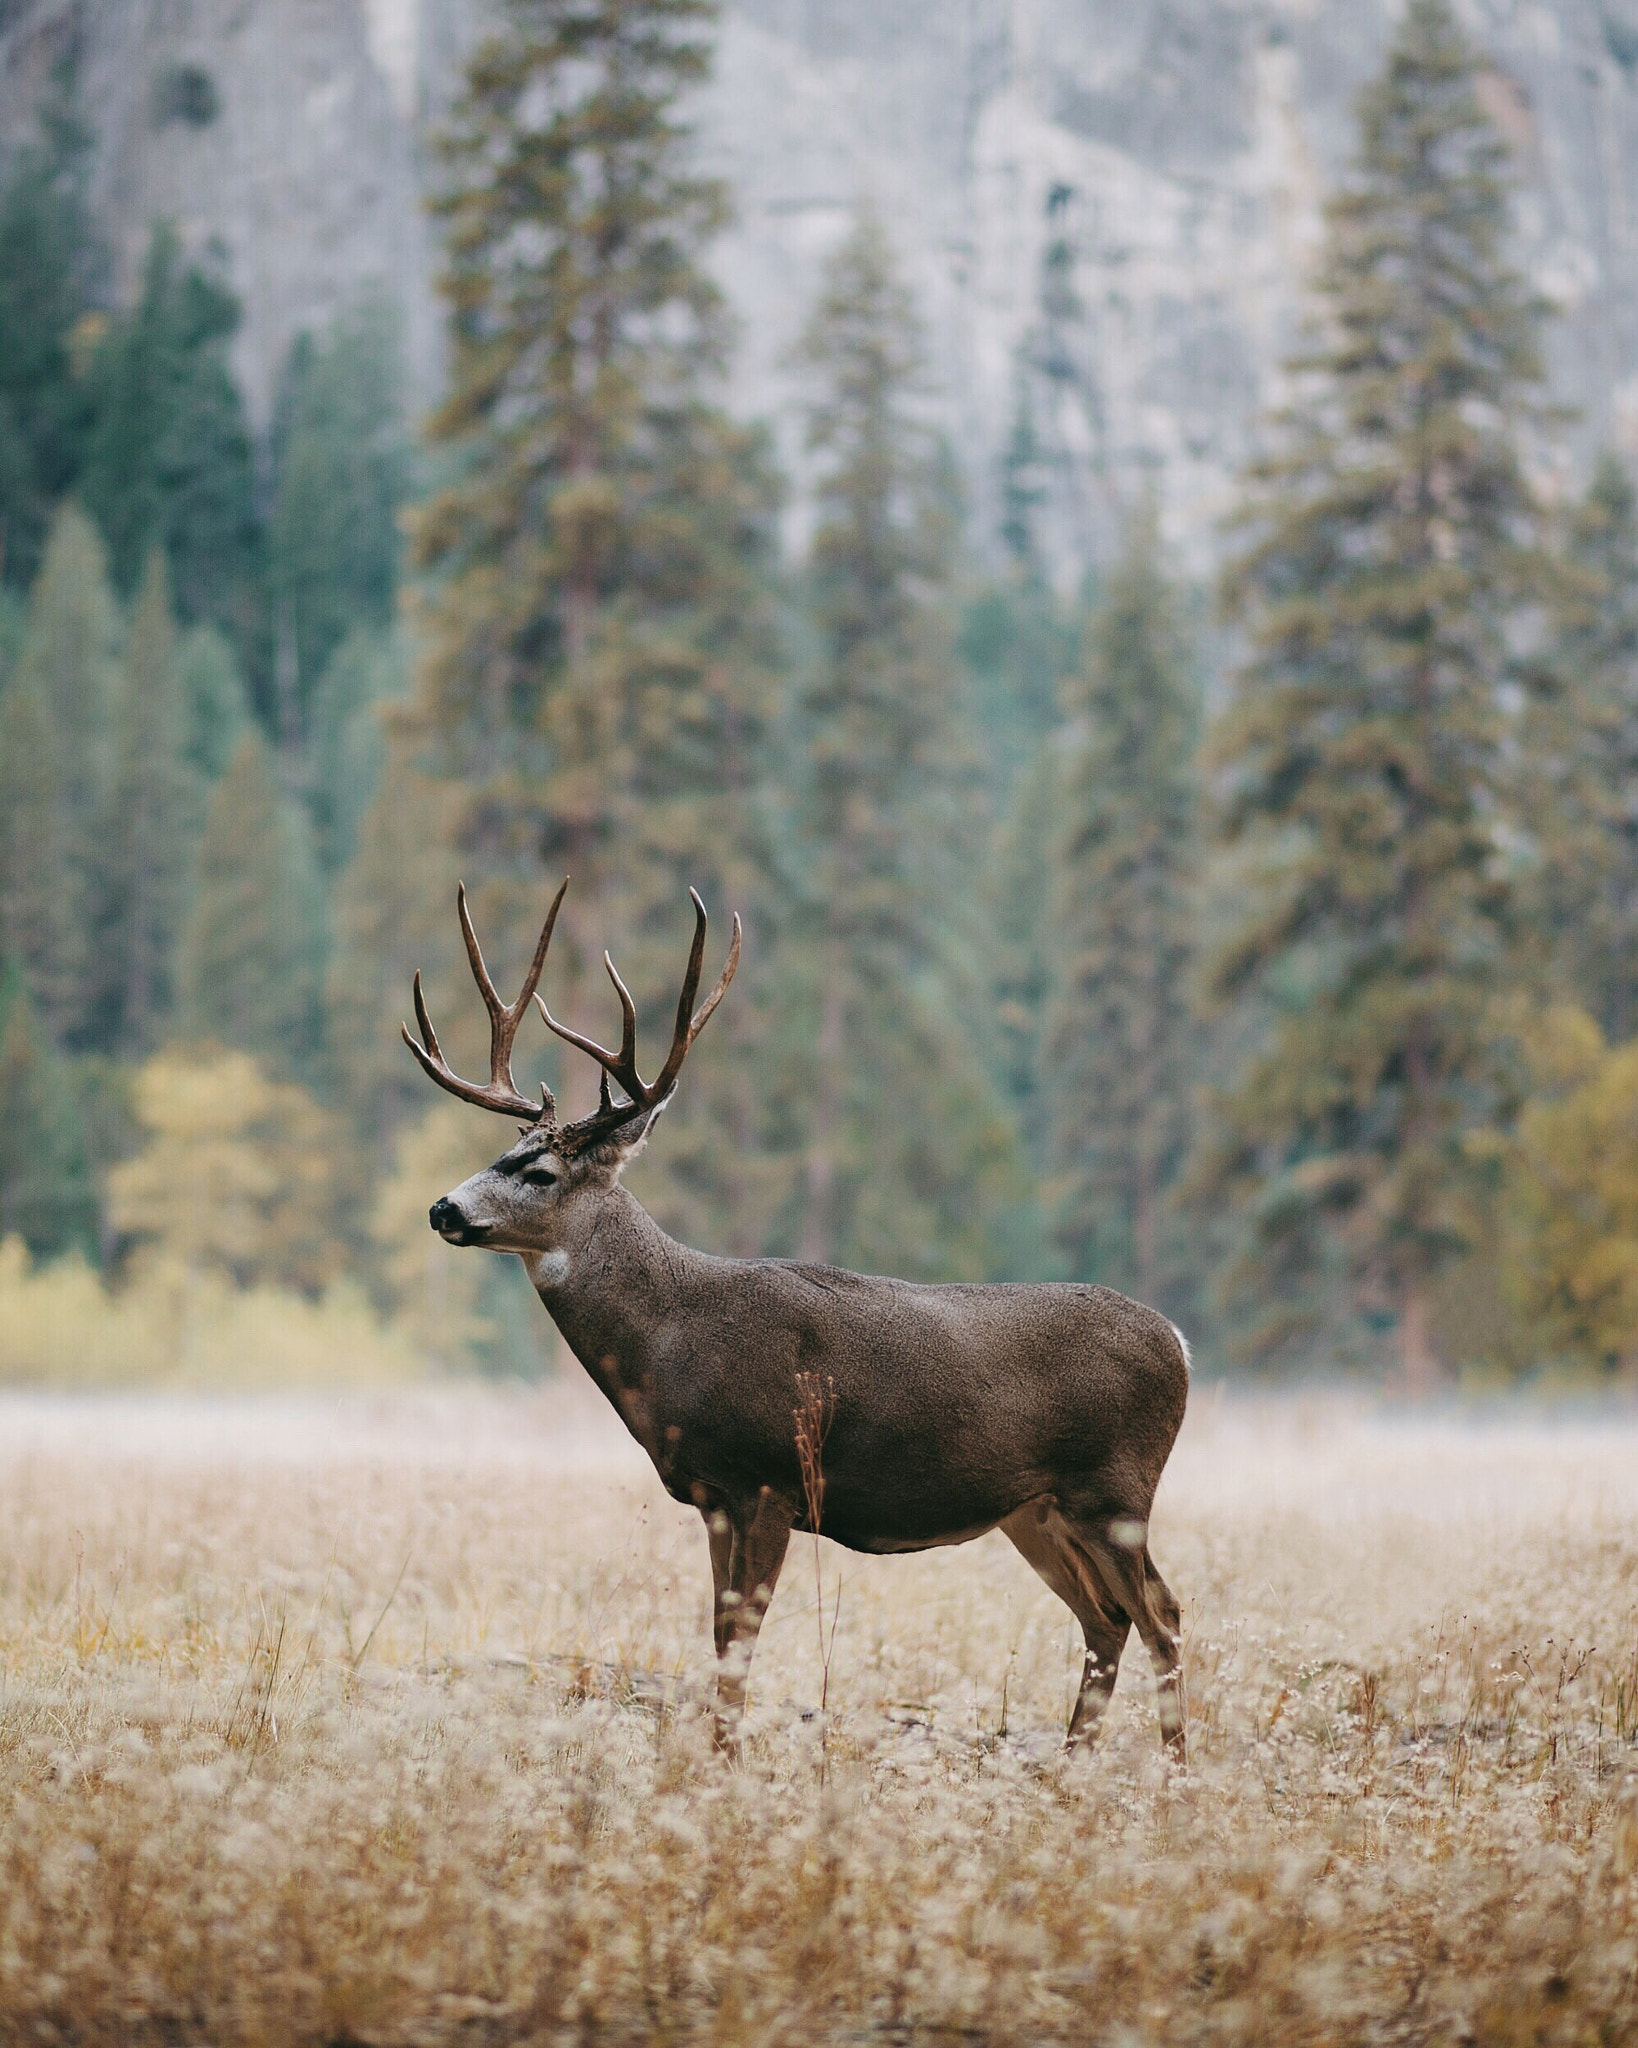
(1047, 1411)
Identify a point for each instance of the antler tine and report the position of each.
(622, 1066)
(696, 961)
(531, 981)
(626, 1063)
(474, 953)
(429, 1037)
(511, 1012)
(721, 989)
(603, 1058)
(485, 1095)
(504, 1018)
(691, 1022)
(665, 1080)
(501, 1092)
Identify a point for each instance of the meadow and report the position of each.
(380, 1720)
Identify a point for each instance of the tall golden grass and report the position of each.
(382, 1723)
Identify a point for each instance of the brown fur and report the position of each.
(1045, 1411)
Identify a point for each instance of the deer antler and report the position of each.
(501, 1091)
(642, 1096)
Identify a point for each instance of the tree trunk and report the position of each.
(817, 1241)
(1420, 1371)
(1143, 1221)
(286, 683)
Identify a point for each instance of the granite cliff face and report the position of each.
(291, 154)
(1183, 146)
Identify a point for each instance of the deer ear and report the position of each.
(640, 1130)
(634, 1137)
(621, 1146)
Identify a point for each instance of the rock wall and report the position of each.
(1189, 144)
(1182, 145)
(267, 129)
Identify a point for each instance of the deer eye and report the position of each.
(538, 1174)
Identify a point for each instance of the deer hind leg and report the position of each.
(719, 1534)
(748, 1548)
(1164, 1647)
(1046, 1542)
(1117, 1548)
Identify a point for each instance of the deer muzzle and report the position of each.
(452, 1223)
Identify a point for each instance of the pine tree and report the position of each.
(218, 704)
(345, 749)
(601, 661)
(394, 914)
(252, 949)
(1019, 641)
(65, 683)
(340, 471)
(1581, 754)
(41, 936)
(13, 625)
(1020, 918)
(68, 660)
(46, 1196)
(905, 1145)
(1057, 451)
(888, 761)
(145, 848)
(51, 267)
(1366, 760)
(1121, 1038)
(169, 459)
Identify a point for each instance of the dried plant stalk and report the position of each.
(815, 1412)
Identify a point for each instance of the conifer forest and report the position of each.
(1265, 946)
(1214, 879)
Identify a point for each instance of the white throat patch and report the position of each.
(548, 1269)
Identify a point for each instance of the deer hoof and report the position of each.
(727, 1734)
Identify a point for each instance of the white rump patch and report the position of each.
(548, 1269)
(1188, 1355)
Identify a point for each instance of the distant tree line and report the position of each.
(1310, 1020)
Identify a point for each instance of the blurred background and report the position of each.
(1105, 531)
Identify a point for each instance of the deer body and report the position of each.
(1045, 1410)
(953, 1405)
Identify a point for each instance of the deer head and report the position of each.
(528, 1201)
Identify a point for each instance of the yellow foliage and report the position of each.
(436, 1287)
(1569, 1198)
(237, 1280)
(237, 1177)
(59, 1326)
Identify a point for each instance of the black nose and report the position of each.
(445, 1218)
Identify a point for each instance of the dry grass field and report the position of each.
(379, 1722)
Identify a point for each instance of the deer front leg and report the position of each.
(746, 1559)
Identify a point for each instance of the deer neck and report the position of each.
(614, 1286)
